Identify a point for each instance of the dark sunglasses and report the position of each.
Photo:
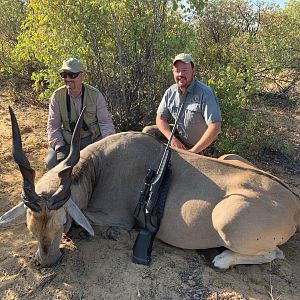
(70, 74)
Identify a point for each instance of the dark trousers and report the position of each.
(51, 158)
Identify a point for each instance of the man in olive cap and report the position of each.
(65, 107)
(200, 122)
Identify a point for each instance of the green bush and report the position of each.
(239, 123)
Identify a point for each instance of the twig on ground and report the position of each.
(271, 285)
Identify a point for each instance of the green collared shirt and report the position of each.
(200, 109)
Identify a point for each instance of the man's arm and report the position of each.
(104, 117)
(164, 128)
(211, 133)
(55, 137)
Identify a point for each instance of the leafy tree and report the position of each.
(12, 14)
(126, 46)
(280, 40)
(226, 66)
(239, 52)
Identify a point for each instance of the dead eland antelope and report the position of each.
(211, 202)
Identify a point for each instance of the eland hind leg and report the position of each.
(251, 229)
(230, 258)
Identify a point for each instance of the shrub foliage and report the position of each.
(127, 47)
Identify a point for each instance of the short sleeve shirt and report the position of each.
(200, 109)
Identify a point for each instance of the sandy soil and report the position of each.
(101, 267)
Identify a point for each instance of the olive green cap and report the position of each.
(72, 65)
(186, 58)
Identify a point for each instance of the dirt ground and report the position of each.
(101, 267)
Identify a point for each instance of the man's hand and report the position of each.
(175, 143)
(193, 150)
(209, 136)
(165, 129)
(62, 152)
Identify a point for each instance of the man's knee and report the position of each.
(155, 132)
(151, 129)
(51, 159)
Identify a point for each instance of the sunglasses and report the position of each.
(70, 74)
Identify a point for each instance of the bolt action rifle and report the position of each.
(152, 197)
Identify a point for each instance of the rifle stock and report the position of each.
(142, 247)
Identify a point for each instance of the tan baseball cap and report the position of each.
(186, 58)
(72, 65)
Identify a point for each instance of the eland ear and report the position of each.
(78, 216)
(13, 213)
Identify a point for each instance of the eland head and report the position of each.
(49, 206)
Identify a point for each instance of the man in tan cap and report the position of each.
(64, 109)
(200, 122)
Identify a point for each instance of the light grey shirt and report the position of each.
(55, 137)
(200, 109)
